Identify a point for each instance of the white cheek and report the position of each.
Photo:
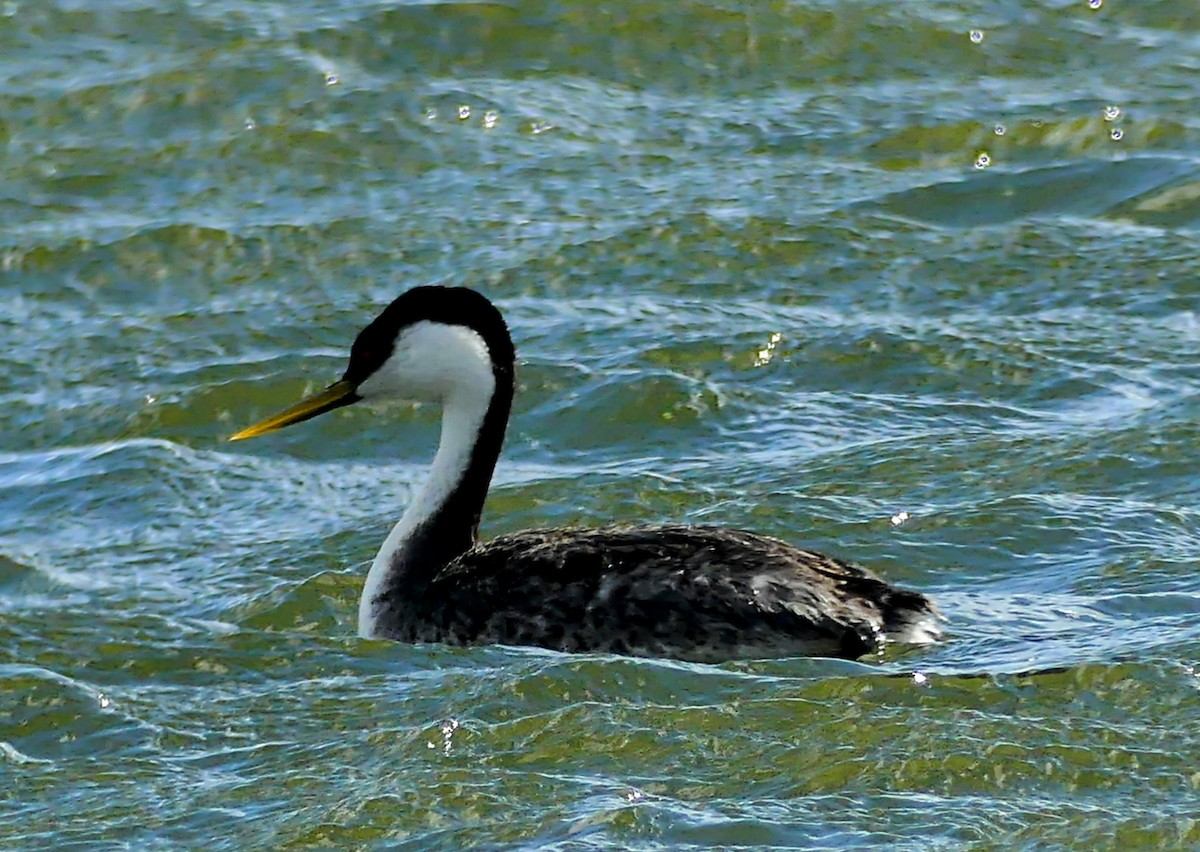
(430, 362)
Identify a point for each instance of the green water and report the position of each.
(755, 278)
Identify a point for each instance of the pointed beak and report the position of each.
(335, 396)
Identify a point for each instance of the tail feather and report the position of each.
(911, 618)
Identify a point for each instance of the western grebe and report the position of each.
(693, 593)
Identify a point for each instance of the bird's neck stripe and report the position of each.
(436, 527)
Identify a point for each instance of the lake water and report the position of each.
(911, 283)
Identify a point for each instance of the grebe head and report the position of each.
(433, 344)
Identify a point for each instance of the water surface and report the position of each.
(836, 271)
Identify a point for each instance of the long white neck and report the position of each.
(462, 417)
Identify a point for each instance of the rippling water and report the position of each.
(841, 272)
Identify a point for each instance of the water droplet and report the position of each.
(976, 36)
(541, 127)
(1117, 134)
(464, 112)
(765, 354)
(331, 78)
(983, 160)
(490, 118)
(1001, 130)
(1112, 113)
(1095, 4)
(448, 728)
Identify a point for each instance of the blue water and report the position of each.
(836, 272)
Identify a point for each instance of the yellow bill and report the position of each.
(335, 396)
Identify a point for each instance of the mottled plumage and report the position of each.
(694, 593)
